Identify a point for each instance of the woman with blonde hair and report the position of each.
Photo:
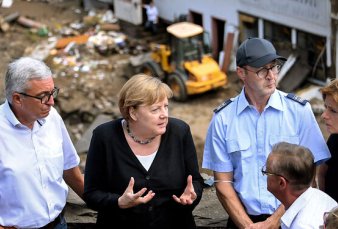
(330, 116)
(142, 170)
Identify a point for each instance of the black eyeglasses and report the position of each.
(45, 97)
(263, 72)
(266, 173)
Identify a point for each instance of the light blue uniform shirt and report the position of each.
(32, 190)
(239, 140)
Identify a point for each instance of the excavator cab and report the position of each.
(185, 64)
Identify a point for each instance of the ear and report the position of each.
(132, 113)
(282, 183)
(16, 98)
(241, 73)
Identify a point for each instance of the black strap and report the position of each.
(224, 104)
(296, 98)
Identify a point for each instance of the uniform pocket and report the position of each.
(240, 153)
(240, 145)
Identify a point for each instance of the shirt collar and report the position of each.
(12, 118)
(291, 213)
(274, 102)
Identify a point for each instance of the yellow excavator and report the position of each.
(185, 64)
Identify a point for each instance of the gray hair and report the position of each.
(21, 71)
(295, 162)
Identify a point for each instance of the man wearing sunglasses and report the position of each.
(37, 157)
(243, 130)
(290, 171)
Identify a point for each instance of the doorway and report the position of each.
(218, 27)
(196, 18)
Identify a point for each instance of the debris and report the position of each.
(109, 17)
(24, 21)
(106, 43)
(12, 17)
(82, 145)
(69, 47)
(6, 3)
(42, 51)
(91, 20)
(80, 39)
(208, 180)
(76, 25)
(4, 26)
(138, 60)
(4, 22)
(110, 27)
(42, 32)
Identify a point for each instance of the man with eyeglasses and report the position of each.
(290, 171)
(243, 129)
(37, 157)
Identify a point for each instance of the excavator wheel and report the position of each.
(176, 83)
(152, 69)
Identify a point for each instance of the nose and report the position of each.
(324, 115)
(270, 74)
(164, 113)
(50, 100)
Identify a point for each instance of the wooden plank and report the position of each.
(228, 51)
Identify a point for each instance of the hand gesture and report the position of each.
(188, 195)
(130, 199)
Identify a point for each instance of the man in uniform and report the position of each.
(243, 131)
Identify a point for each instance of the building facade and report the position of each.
(304, 31)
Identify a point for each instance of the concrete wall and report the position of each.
(311, 16)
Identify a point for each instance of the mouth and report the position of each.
(46, 111)
(271, 85)
(162, 125)
(329, 128)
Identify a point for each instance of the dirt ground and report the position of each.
(19, 41)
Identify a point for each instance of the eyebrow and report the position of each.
(44, 92)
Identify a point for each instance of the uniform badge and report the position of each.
(224, 104)
(297, 99)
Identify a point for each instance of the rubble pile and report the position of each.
(90, 59)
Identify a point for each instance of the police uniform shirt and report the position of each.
(239, 139)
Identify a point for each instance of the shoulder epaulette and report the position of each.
(297, 98)
(224, 104)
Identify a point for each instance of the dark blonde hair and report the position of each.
(142, 89)
(331, 89)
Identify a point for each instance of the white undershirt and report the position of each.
(146, 161)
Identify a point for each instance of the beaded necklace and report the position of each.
(135, 138)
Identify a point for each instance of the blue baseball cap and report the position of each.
(256, 52)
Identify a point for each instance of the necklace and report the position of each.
(147, 141)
